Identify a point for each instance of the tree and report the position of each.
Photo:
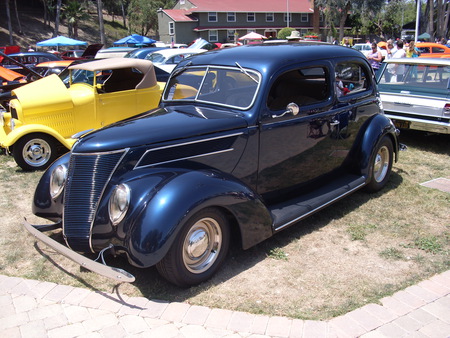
(17, 17)
(284, 32)
(337, 11)
(58, 13)
(143, 14)
(100, 22)
(74, 12)
(8, 18)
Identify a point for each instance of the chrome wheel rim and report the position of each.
(381, 165)
(202, 245)
(36, 152)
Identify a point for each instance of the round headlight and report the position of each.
(118, 203)
(58, 180)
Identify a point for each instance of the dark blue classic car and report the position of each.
(246, 142)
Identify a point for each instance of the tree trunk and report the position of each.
(8, 17)
(342, 20)
(446, 9)
(124, 16)
(17, 17)
(440, 20)
(430, 28)
(58, 11)
(100, 22)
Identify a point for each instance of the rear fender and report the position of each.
(164, 209)
(376, 128)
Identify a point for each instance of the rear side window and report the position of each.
(420, 77)
(351, 78)
(302, 86)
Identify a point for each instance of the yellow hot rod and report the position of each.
(45, 117)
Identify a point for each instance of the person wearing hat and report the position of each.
(295, 36)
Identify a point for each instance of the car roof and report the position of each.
(179, 51)
(144, 66)
(421, 61)
(274, 55)
(50, 55)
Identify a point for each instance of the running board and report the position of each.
(287, 213)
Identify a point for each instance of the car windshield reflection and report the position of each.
(231, 87)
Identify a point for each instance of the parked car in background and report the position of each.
(432, 50)
(167, 59)
(45, 116)
(113, 52)
(141, 53)
(52, 67)
(416, 93)
(82, 54)
(28, 59)
(240, 148)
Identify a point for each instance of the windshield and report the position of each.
(224, 86)
(155, 57)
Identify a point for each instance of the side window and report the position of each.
(351, 78)
(302, 86)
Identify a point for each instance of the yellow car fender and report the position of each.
(21, 131)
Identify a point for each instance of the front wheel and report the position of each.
(198, 250)
(381, 165)
(35, 151)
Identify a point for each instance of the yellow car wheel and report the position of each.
(35, 151)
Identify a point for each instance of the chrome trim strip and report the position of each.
(137, 166)
(318, 208)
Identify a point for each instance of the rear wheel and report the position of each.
(381, 165)
(35, 151)
(198, 250)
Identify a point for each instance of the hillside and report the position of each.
(34, 29)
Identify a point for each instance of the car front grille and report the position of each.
(87, 178)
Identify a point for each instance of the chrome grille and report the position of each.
(87, 178)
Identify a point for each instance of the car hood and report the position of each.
(91, 50)
(36, 95)
(160, 125)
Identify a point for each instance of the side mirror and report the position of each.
(291, 108)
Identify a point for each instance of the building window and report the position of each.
(251, 17)
(213, 35)
(269, 17)
(230, 35)
(231, 17)
(304, 17)
(286, 16)
(212, 17)
(171, 28)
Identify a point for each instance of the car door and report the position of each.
(297, 150)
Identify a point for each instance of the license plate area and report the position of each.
(402, 124)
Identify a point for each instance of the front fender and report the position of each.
(178, 196)
(43, 205)
(20, 131)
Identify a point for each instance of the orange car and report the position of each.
(433, 50)
(7, 75)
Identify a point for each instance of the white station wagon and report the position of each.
(415, 93)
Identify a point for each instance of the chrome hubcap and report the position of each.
(381, 164)
(36, 152)
(202, 245)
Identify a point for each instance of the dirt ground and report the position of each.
(356, 251)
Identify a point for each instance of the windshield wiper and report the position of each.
(245, 72)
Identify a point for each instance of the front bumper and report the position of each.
(117, 274)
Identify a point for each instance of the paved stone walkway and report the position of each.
(30, 308)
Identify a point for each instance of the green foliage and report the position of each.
(74, 12)
(429, 244)
(392, 254)
(285, 32)
(143, 14)
(278, 254)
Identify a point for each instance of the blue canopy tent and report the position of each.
(60, 41)
(135, 39)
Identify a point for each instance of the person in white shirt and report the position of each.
(397, 70)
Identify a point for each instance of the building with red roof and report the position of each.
(226, 20)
